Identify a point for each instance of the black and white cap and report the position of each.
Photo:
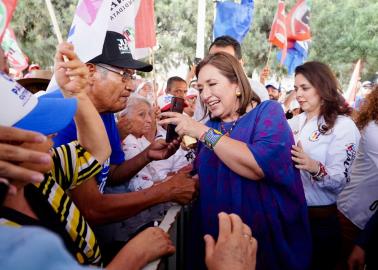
(116, 52)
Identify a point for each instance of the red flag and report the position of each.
(145, 36)
(277, 34)
(6, 10)
(297, 23)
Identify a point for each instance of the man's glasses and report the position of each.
(126, 74)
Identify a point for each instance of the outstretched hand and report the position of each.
(160, 149)
(72, 75)
(235, 249)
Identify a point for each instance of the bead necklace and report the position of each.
(228, 132)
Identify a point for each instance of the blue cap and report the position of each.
(51, 115)
(19, 108)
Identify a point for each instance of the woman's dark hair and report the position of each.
(324, 81)
(230, 67)
(369, 109)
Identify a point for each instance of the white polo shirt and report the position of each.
(336, 150)
(357, 199)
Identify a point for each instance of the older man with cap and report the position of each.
(110, 84)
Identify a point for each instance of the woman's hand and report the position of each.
(184, 124)
(302, 160)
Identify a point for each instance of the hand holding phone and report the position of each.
(177, 105)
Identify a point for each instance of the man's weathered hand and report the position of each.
(181, 188)
(71, 76)
(160, 149)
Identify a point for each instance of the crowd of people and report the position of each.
(281, 179)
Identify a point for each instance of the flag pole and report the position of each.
(201, 21)
(152, 62)
(269, 53)
(54, 21)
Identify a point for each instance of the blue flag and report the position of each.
(295, 56)
(233, 19)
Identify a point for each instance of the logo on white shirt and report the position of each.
(314, 136)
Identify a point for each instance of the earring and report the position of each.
(238, 93)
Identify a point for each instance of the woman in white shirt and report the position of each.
(359, 199)
(326, 144)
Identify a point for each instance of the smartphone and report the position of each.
(177, 105)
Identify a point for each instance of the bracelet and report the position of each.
(315, 174)
(320, 173)
(212, 136)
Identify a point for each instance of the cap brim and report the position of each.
(132, 64)
(124, 62)
(50, 115)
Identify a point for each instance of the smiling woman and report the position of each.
(244, 166)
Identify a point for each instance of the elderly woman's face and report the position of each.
(307, 95)
(140, 117)
(146, 89)
(218, 93)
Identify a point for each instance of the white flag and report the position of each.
(123, 20)
(89, 27)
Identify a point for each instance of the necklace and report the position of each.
(225, 131)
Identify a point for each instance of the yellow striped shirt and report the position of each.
(72, 166)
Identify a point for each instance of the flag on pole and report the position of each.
(297, 23)
(88, 30)
(6, 11)
(16, 58)
(295, 56)
(233, 19)
(136, 21)
(350, 94)
(89, 26)
(278, 35)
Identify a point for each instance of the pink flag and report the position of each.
(6, 11)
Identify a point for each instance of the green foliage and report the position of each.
(343, 31)
(32, 26)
